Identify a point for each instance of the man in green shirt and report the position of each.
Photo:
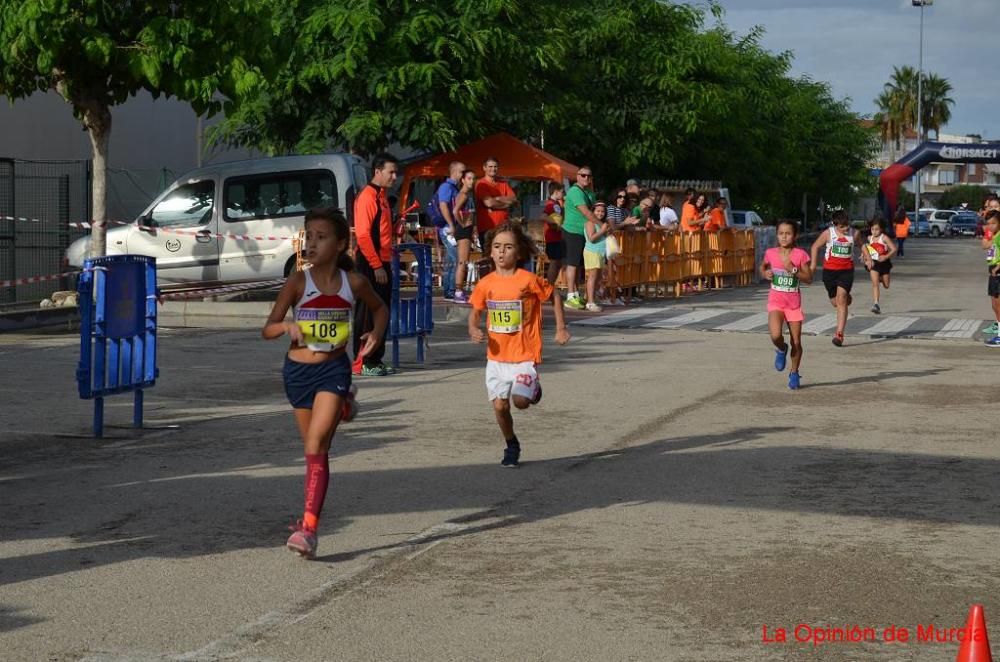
(577, 210)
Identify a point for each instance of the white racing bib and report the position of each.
(504, 316)
(785, 282)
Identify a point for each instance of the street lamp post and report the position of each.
(920, 100)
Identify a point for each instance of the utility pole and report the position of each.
(920, 100)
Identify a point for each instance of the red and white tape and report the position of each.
(37, 279)
(84, 225)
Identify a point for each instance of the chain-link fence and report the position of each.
(53, 193)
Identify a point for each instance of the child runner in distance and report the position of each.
(878, 259)
(841, 242)
(786, 266)
(993, 260)
(596, 232)
(987, 242)
(317, 371)
(512, 299)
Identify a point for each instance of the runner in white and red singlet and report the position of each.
(841, 242)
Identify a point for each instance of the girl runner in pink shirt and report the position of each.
(786, 266)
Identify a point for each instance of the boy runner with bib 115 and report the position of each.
(841, 242)
(512, 299)
(785, 266)
(317, 372)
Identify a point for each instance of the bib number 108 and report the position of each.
(322, 330)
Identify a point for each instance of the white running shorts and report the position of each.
(504, 380)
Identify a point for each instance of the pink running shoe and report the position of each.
(303, 541)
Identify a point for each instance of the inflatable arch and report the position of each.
(929, 152)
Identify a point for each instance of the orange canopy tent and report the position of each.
(518, 160)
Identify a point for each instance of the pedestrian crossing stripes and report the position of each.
(721, 319)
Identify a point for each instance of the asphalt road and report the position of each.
(675, 499)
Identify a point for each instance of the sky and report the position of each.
(854, 44)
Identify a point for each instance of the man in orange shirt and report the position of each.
(494, 198)
(512, 299)
(717, 217)
(373, 231)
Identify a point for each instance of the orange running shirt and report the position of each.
(513, 306)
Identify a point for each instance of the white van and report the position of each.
(264, 198)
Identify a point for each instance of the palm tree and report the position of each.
(937, 104)
(897, 106)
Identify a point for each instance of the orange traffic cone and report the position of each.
(976, 645)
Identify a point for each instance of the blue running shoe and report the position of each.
(793, 381)
(780, 356)
(993, 342)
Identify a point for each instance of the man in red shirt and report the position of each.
(494, 198)
(373, 232)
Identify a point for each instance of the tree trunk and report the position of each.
(97, 119)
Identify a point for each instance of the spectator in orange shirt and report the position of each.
(901, 226)
(717, 217)
(373, 231)
(690, 215)
(494, 198)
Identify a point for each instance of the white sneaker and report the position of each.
(594, 308)
(618, 302)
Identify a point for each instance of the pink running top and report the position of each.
(784, 292)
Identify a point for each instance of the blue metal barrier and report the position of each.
(117, 299)
(412, 317)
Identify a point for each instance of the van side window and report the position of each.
(187, 205)
(278, 195)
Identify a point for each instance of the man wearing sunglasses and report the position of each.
(577, 211)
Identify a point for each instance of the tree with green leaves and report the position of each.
(972, 194)
(641, 88)
(98, 53)
(428, 74)
(897, 105)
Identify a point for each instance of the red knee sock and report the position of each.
(317, 480)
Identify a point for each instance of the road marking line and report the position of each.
(959, 328)
(612, 318)
(693, 317)
(889, 325)
(745, 324)
(820, 324)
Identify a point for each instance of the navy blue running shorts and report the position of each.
(304, 380)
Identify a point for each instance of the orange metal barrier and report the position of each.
(656, 263)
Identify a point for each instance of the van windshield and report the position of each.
(187, 205)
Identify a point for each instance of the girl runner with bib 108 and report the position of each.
(512, 299)
(317, 372)
(786, 266)
(841, 242)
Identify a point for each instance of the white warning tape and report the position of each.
(84, 225)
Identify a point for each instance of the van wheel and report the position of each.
(935, 231)
(289, 266)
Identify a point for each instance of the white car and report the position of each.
(233, 222)
(746, 220)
